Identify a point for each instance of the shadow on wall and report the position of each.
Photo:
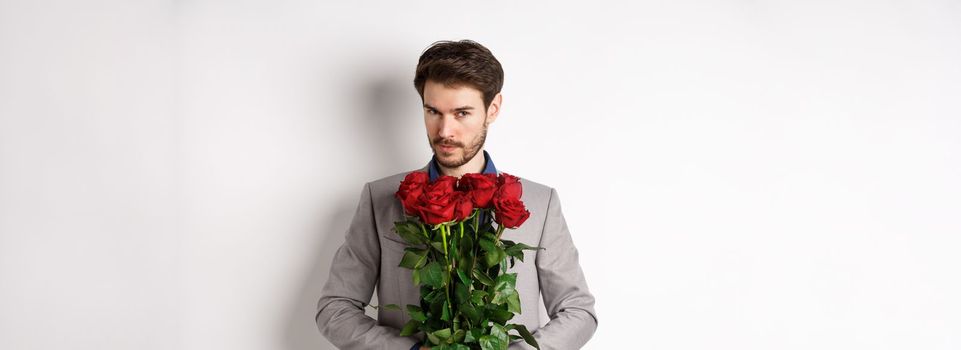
(381, 109)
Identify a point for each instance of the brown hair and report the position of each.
(454, 63)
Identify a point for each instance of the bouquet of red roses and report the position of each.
(460, 261)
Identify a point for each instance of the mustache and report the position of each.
(440, 142)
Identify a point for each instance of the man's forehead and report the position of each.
(440, 96)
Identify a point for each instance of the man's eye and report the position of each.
(462, 114)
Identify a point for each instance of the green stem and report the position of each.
(444, 229)
(443, 235)
(473, 259)
(454, 252)
(503, 263)
(476, 236)
(500, 230)
(477, 221)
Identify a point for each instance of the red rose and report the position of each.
(508, 186)
(463, 206)
(510, 212)
(410, 190)
(435, 205)
(504, 178)
(443, 184)
(480, 187)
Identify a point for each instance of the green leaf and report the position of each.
(438, 245)
(493, 254)
(410, 232)
(499, 313)
(458, 336)
(463, 276)
(464, 262)
(413, 258)
(500, 333)
(467, 245)
(440, 335)
(487, 244)
(433, 275)
(518, 249)
(504, 287)
(493, 258)
(437, 307)
(473, 335)
(488, 342)
(461, 295)
(470, 312)
(514, 303)
(515, 255)
(483, 278)
(394, 307)
(528, 337)
(410, 328)
(488, 234)
(452, 247)
(416, 313)
(509, 279)
(445, 311)
(477, 297)
(433, 295)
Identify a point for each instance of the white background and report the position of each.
(735, 174)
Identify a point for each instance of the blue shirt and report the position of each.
(434, 172)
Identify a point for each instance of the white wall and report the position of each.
(736, 174)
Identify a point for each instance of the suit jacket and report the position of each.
(372, 251)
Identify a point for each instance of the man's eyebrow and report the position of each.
(464, 108)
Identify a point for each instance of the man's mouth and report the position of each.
(446, 148)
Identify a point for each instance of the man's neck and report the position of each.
(475, 165)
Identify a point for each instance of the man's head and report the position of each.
(459, 84)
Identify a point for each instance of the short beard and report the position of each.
(469, 152)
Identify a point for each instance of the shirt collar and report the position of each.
(434, 171)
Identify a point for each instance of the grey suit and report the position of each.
(372, 251)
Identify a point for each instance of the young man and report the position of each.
(459, 84)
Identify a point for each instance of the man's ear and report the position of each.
(494, 109)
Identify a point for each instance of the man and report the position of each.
(459, 84)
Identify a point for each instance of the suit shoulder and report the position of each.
(533, 185)
(534, 190)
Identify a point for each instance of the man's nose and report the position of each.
(446, 128)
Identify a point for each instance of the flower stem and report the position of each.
(503, 263)
(443, 235)
(477, 221)
(500, 230)
(444, 229)
(474, 249)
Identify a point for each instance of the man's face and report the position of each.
(456, 121)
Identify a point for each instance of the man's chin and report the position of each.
(448, 160)
(445, 154)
